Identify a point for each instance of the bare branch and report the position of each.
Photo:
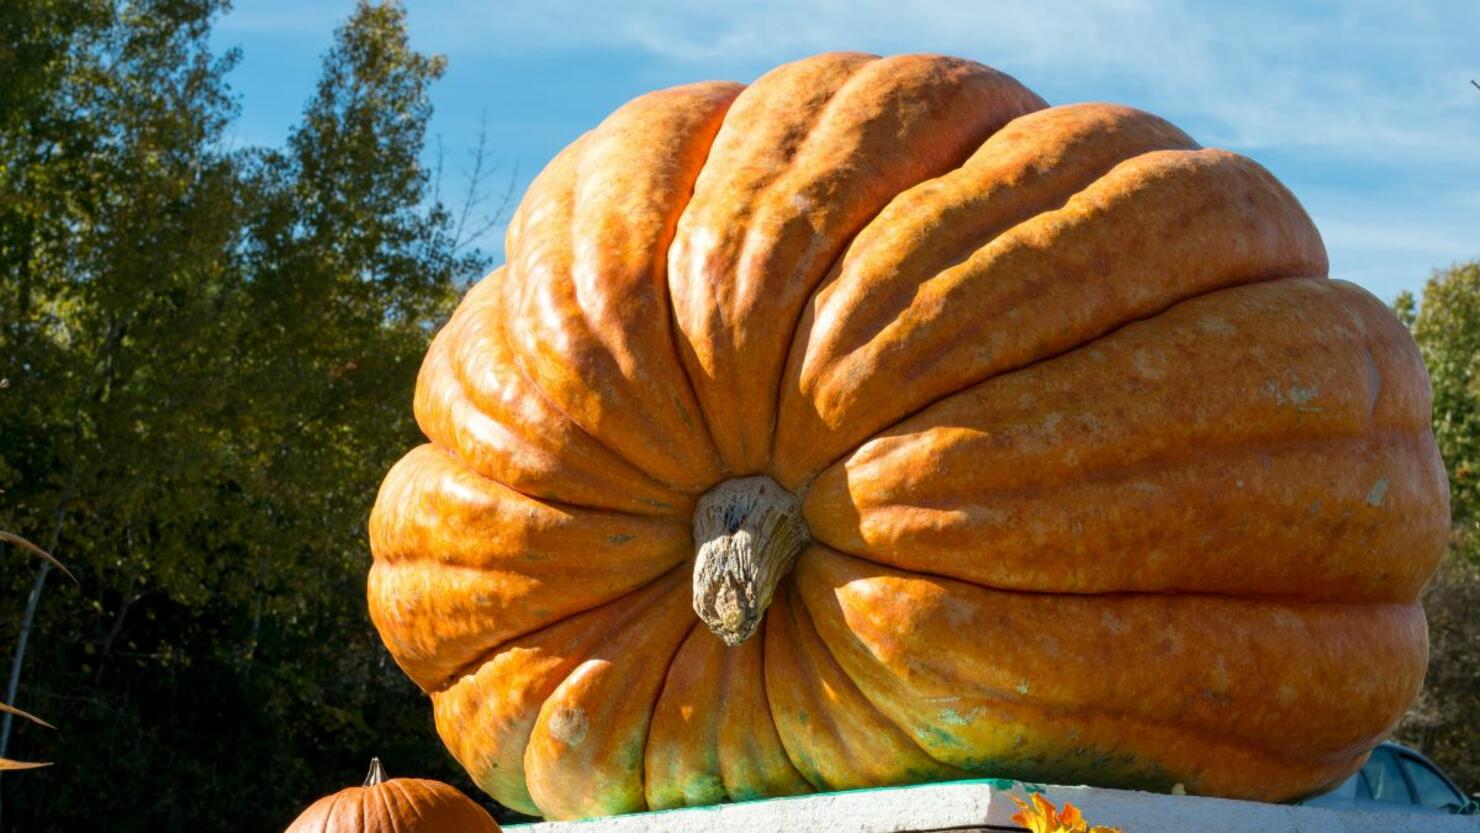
(473, 220)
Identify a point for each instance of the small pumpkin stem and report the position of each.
(377, 773)
(748, 532)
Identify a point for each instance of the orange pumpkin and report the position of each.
(398, 805)
(876, 423)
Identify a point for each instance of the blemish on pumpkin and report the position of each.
(1297, 397)
(1216, 325)
(1301, 396)
(1379, 490)
(1221, 679)
(1023, 687)
(958, 613)
(1374, 383)
(1149, 364)
(951, 717)
(569, 725)
(620, 539)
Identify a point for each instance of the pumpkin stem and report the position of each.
(377, 773)
(749, 532)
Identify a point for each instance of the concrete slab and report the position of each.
(985, 805)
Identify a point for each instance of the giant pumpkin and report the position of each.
(877, 423)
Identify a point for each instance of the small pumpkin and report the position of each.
(395, 805)
(877, 423)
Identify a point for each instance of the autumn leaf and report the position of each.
(1043, 817)
(36, 551)
(27, 715)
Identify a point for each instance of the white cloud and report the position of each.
(1364, 108)
(1361, 81)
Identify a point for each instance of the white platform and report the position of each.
(963, 806)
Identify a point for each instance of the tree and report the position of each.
(1446, 325)
(115, 214)
(208, 358)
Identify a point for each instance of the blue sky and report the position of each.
(1364, 109)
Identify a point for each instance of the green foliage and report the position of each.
(1442, 722)
(1447, 328)
(1446, 325)
(207, 358)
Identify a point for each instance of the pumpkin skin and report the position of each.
(396, 805)
(1106, 483)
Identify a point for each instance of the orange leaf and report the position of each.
(1044, 817)
(7, 764)
(38, 552)
(27, 715)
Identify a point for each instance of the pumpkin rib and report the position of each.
(711, 736)
(936, 343)
(407, 797)
(764, 178)
(765, 697)
(658, 774)
(472, 667)
(1408, 591)
(1000, 427)
(587, 282)
(487, 715)
(780, 198)
(563, 777)
(1053, 155)
(596, 438)
(887, 629)
(1048, 713)
(805, 486)
(385, 809)
(1125, 723)
(513, 366)
(560, 460)
(333, 806)
(557, 506)
(463, 564)
(860, 746)
(652, 710)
